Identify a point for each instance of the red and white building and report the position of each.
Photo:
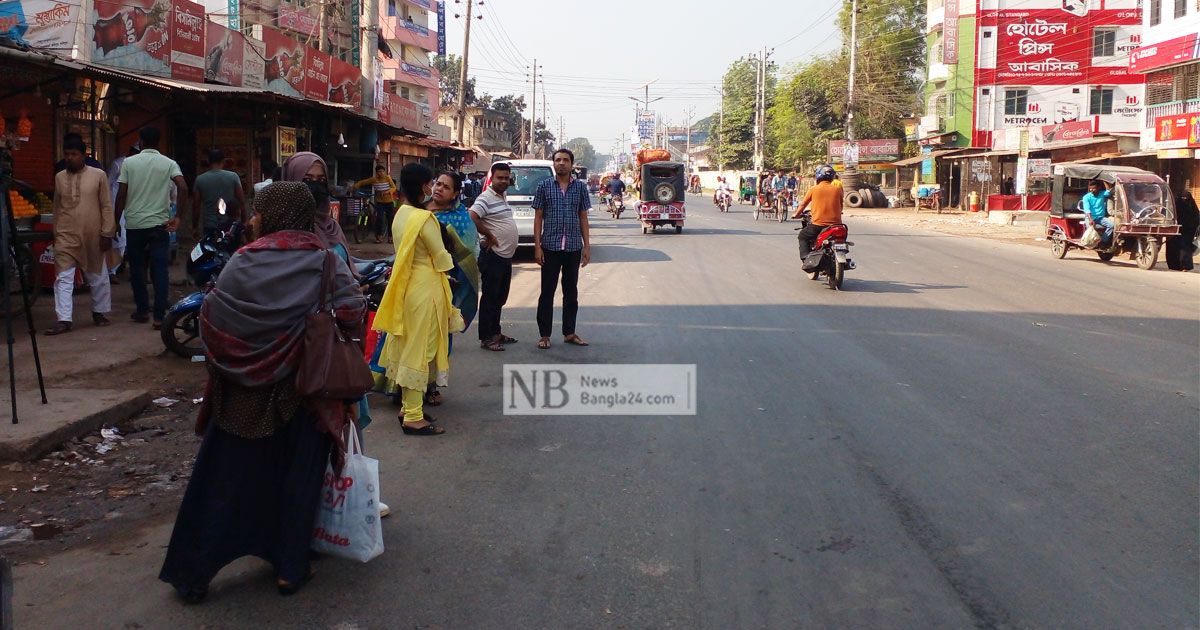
(1045, 62)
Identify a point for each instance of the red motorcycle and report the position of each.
(830, 255)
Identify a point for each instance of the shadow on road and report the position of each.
(884, 286)
(622, 254)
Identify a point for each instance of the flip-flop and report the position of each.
(543, 343)
(505, 339)
(575, 340)
(494, 346)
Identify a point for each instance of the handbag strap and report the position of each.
(326, 279)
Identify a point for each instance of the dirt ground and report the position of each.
(951, 222)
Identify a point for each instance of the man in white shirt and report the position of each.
(493, 218)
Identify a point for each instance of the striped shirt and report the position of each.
(561, 230)
(497, 216)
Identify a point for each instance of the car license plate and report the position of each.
(197, 252)
(524, 214)
(841, 247)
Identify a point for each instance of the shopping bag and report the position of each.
(348, 518)
(1091, 237)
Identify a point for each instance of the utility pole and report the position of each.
(687, 152)
(761, 61)
(721, 130)
(645, 102)
(561, 141)
(533, 111)
(853, 67)
(462, 77)
(545, 121)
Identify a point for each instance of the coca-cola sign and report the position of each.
(226, 54)
(133, 34)
(1067, 131)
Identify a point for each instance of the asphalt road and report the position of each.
(970, 434)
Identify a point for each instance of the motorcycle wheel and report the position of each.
(1106, 256)
(1058, 246)
(835, 275)
(181, 333)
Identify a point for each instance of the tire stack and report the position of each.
(866, 197)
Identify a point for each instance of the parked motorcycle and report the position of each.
(830, 255)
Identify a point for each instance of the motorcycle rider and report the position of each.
(616, 189)
(826, 200)
(723, 190)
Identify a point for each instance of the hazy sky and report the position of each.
(595, 55)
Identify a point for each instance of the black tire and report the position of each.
(880, 199)
(1106, 256)
(1058, 246)
(181, 333)
(23, 259)
(1147, 252)
(854, 199)
(836, 273)
(679, 229)
(868, 198)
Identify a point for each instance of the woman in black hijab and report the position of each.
(1180, 249)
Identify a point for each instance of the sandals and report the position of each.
(433, 397)
(575, 340)
(493, 345)
(58, 329)
(428, 429)
(505, 339)
(291, 588)
(543, 343)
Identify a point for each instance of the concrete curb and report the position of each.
(71, 413)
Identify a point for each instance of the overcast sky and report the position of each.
(595, 55)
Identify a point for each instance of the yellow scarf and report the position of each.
(390, 316)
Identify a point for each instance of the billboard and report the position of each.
(645, 124)
(253, 54)
(316, 74)
(283, 65)
(225, 56)
(297, 19)
(1177, 132)
(1057, 46)
(132, 34)
(950, 33)
(345, 84)
(187, 41)
(868, 151)
(44, 25)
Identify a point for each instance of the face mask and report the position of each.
(319, 190)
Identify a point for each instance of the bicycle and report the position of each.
(360, 208)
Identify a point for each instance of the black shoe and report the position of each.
(140, 318)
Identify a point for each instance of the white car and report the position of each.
(526, 175)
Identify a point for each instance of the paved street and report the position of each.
(970, 434)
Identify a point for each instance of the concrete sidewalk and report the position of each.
(69, 413)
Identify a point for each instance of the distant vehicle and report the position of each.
(662, 196)
(526, 175)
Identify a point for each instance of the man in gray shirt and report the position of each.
(493, 218)
(212, 186)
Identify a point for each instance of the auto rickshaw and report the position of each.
(664, 186)
(1141, 206)
(747, 187)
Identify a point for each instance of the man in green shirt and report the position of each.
(213, 186)
(144, 199)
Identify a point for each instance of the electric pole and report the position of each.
(721, 130)
(646, 103)
(462, 77)
(761, 62)
(533, 111)
(545, 121)
(853, 66)
(687, 152)
(561, 142)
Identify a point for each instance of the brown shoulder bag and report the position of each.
(332, 365)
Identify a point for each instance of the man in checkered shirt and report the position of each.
(561, 245)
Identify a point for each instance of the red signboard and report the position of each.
(283, 70)
(1051, 47)
(400, 112)
(1170, 52)
(1177, 132)
(345, 84)
(225, 55)
(1067, 131)
(316, 74)
(187, 41)
(300, 20)
(950, 33)
(132, 34)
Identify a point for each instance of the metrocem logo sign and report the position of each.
(600, 389)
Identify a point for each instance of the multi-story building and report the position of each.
(483, 128)
(1169, 59)
(1003, 64)
(406, 70)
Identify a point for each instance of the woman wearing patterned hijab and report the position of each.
(256, 484)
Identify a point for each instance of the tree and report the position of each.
(450, 67)
(585, 154)
(735, 139)
(512, 108)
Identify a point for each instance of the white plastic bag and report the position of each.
(348, 519)
(1091, 237)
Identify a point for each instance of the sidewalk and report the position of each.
(94, 376)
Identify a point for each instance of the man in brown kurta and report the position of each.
(83, 231)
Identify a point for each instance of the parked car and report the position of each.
(526, 175)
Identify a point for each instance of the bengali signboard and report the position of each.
(253, 54)
(283, 66)
(1039, 167)
(441, 35)
(1168, 53)
(225, 55)
(286, 143)
(316, 74)
(950, 33)
(400, 112)
(44, 25)
(187, 41)
(645, 124)
(869, 151)
(1177, 132)
(296, 19)
(132, 34)
(345, 84)
(1050, 47)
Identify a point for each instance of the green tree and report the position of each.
(585, 153)
(735, 139)
(450, 67)
(512, 108)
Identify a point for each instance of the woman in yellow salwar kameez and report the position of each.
(416, 312)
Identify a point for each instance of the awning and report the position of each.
(1122, 156)
(192, 86)
(997, 153)
(921, 158)
(1069, 144)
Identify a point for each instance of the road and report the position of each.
(970, 434)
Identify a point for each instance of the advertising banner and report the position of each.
(868, 150)
(950, 33)
(283, 68)
(1055, 47)
(287, 143)
(441, 33)
(1173, 51)
(132, 34)
(300, 20)
(1039, 167)
(187, 41)
(1061, 132)
(225, 55)
(345, 84)
(316, 74)
(45, 25)
(1177, 132)
(400, 112)
(645, 124)
(253, 53)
